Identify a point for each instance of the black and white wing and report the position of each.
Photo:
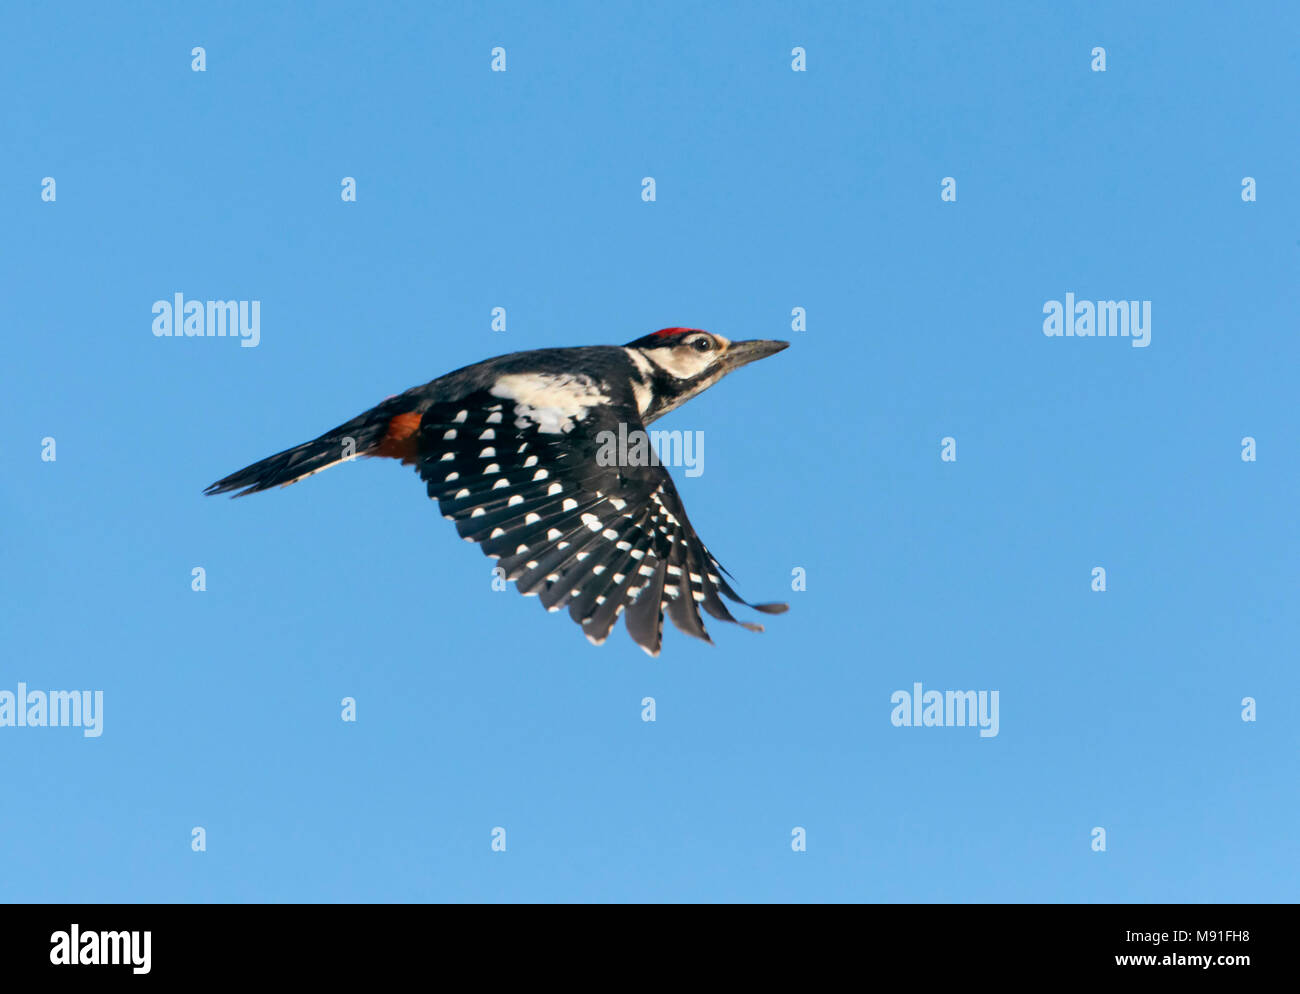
(521, 475)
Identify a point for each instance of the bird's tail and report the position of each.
(382, 431)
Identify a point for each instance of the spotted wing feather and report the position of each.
(599, 539)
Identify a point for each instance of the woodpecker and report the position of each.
(509, 448)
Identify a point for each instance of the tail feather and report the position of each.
(281, 469)
(359, 437)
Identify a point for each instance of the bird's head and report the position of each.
(678, 363)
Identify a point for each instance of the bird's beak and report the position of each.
(743, 353)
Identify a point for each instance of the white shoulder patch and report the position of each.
(554, 402)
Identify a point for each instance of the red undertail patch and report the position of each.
(399, 442)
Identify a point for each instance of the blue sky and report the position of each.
(775, 189)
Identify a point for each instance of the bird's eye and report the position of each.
(702, 344)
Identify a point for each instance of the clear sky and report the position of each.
(775, 189)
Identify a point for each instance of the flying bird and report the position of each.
(511, 449)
